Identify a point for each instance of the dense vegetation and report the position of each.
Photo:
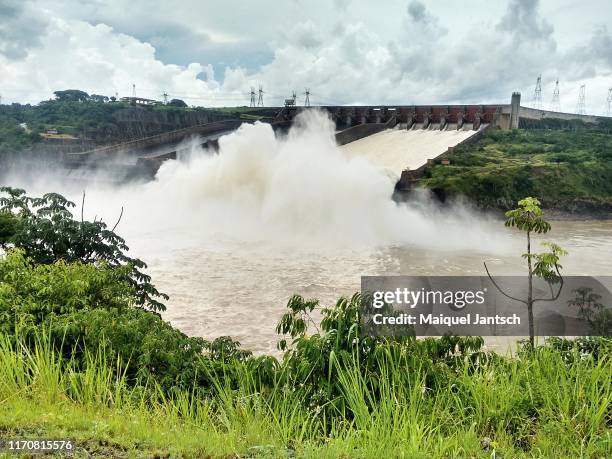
(567, 169)
(80, 358)
(78, 114)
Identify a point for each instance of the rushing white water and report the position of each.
(300, 190)
(398, 149)
(231, 236)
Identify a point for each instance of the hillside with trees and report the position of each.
(98, 118)
(568, 169)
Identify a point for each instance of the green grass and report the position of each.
(534, 406)
(567, 170)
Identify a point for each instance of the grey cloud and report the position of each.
(305, 34)
(600, 46)
(417, 11)
(20, 28)
(342, 4)
(591, 59)
(522, 19)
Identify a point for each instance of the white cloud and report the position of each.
(408, 52)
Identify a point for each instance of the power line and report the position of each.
(555, 105)
(537, 95)
(581, 107)
(307, 100)
(260, 102)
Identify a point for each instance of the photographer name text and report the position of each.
(441, 319)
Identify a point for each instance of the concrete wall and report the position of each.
(358, 132)
(535, 114)
(137, 146)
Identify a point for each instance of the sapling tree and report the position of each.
(527, 217)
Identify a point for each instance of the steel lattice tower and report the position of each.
(252, 103)
(555, 105)
(609, 103)
(581, 107)
(133, 89)
(307, 99)
(260, 102)
(537, 94)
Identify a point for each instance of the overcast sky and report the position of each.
(210, 52)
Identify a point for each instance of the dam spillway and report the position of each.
(396, 150)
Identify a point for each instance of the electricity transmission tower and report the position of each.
(133, 89)
(307, 99)
(581, 107)
(260, 98)
(537, 94)
(252, 104)
(165, 96)
(555, 105)
(609, 103)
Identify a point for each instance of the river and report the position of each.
(230, 237)
(240, 289)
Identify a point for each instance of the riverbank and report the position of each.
(86, 355)
(549, 403)
(569, 170)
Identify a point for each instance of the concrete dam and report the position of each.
(402, 140)
(396, 150)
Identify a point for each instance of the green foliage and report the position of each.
(554, 402)
(313, 362)
(8, 227)
(527, 217)
(71, 95)
(94, 117)
(13, 137)
(567, 169)
(591, 310)
(47, 232)
(91, 306)
(177, 103)
(29, 293)
(74, 345)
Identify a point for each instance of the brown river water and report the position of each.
(230, 237)
(240, 289)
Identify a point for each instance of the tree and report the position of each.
(177, 103)
(71, 95)
(591, 310)
(528, 217)
(47, 232)
(98, 98)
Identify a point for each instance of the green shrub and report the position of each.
(44, 228)
(91, 306)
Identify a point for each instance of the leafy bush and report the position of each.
(85, 306)
(29, 293)
(314, 361)
(44, 228)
